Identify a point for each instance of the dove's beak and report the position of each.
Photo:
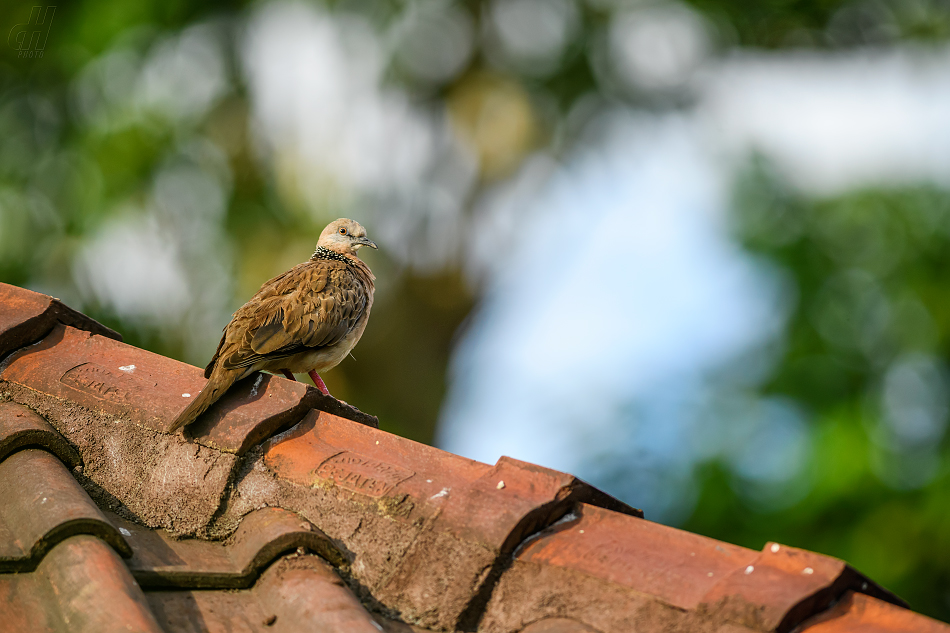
(365, 241)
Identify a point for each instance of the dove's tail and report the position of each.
(216, 386)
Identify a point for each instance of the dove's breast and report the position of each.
(346, 292)
(323, 358)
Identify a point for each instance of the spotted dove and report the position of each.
(305, 320)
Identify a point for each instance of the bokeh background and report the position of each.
(697, 253)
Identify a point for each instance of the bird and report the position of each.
(305, 320)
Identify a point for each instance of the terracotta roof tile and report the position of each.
(28, 316)
(420, 537)
(150, 390)
(159, 560)
(126, 462)
(78, 585)
(432, 525)
(678, 567)
(298, 594)
(676, 578)
(81, 586)
(20, 427)
(557, 625)
(859, 613)
(42, 506)
(83, 383)
(784, 586)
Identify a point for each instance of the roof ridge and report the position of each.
(28, 316)
(420, 534)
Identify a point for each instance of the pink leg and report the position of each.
(289, 374)
(318, 381)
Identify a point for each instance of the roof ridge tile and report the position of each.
(149, 390)
(43, 506)
(434, 539)
(785, 585)
(28, 316)
(434, 529)
(20, 428)
(112, 401)
(861, 612)
(615, 572)
(81, 586)
(298, 593)
(161, 561)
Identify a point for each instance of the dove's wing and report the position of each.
(313, 305)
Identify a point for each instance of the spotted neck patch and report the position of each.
(323, 252)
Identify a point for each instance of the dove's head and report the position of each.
(345, 236)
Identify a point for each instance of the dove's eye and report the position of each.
(342, 230)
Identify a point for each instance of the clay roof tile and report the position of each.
(867, 614)
(161, 561)
(285, 510)
(80, 586)
(21, 427)
(28, 316)
(433, 525)
(297, 594)
(42, 506)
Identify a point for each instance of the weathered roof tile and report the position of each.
(676, 566)
(860, 613)
(164, 480)
(150, 390)
(159, 560)
(20, 427)
(81, 586)
(27, 316)
(298, 594)
(85, 383)
(42, 505)
(674, 578)
(424, 537)
(783, 586)
(451, 521)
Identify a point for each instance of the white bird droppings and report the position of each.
(749, 570)
(428, 481)
(774, 548)
(186, 395)
(808, 571)
(441, 493)
(500, 485)
(581, 531)
(377, 441)
(44, 500)
(257, 383)
(127, 368)
(125, 532)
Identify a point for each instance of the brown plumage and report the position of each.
(304, 321)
